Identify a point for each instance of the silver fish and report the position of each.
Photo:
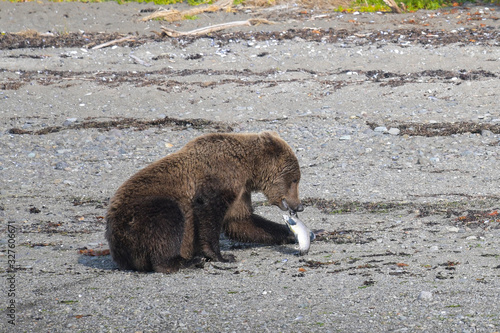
(303, 235)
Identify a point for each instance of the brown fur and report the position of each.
(174, 210)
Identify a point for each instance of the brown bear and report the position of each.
(173, 211)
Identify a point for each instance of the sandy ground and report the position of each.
(395, 120)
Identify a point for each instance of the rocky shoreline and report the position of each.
(395, 121)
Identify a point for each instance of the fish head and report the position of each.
(289, 221)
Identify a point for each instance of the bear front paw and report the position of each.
(228, 258)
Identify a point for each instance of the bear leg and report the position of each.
(209, 230)
(256, 229)
(146, 234)
(211, 250)
(209, 208)
(120, 254)
(168, 266)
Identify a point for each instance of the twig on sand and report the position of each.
(175, 15)
(393, 6)
(140, 61)
(202, 31)
(30, 33)
(116, 41)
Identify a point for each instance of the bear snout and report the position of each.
(299, 208)
(295, 207)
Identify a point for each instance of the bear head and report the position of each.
(280, 173)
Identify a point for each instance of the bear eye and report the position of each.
(295, 181)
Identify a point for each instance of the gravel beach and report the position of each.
(395, 120)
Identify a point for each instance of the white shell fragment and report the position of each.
(303, 235)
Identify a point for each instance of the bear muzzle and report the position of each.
(294, 207)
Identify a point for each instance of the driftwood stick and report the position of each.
(116, 41)
(202, 31)
(175, 15)
(140, 61)
(393, 6)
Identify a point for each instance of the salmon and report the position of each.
(303, 235)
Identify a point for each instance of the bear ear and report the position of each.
(272, 142)
(269, 133)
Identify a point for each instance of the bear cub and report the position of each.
(172, 212)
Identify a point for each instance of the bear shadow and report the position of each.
(98, 262)
(229, 246)
(288, 250)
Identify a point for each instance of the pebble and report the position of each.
(452, 229)
(345, 137)
(63, 151)
(434, 159)
(62, 247)
(425, 296)
(61, 165)
(116, 133)
(394, 131)
(381, 129)
(487, 133)
(69, 121)
(434, 248)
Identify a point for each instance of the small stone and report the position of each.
(116, 133)
(394, 131)
(471, 238)
(69, 121)
(63, 151)
(62, 247)
(434, 248)
(425, 296)
(381, 129)
(434, 159)
(452, 229)
(61, 165)
(345, 137)
(487, 133)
